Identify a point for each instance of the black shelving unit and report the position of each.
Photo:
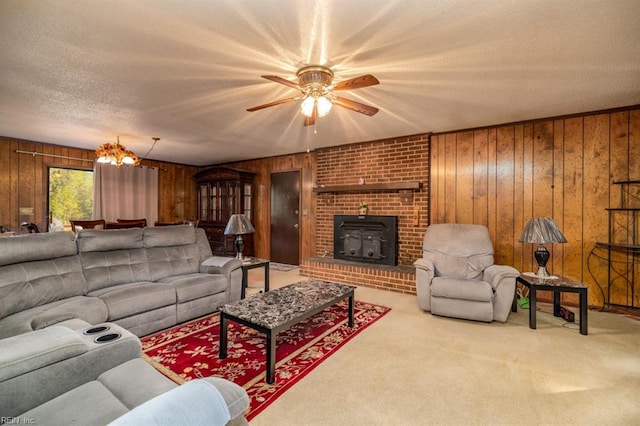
(621, 252)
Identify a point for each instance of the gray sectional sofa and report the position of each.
(144, 279)
(71, 309)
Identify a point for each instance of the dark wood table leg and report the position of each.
(351, 309)
(245, 282)
(271, 357)
(556, 304)
(532, 307)
(583, 312)
(266, 277)
(222, 352)
(514, 304)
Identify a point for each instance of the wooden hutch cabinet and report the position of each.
(221, 192)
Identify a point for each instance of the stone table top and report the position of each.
(277, 307)
(553, 281)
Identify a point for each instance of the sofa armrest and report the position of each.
(230, 267)
(425, 265)
(236, 398)
(220, 265)
(56, 359)
(37, 349)
(425, 271)
(494, 274)
(503, 281)
(193, 403)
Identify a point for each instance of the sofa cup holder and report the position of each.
(107, 338)
(98, 329)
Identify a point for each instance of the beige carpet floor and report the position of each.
(413, 368)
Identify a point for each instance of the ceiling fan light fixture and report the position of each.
(322, 103)
(315, 82)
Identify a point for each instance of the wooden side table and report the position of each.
(252, 263)
(558, 285)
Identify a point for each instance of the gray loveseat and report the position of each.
(70, 313)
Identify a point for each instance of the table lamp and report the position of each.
(542, 230)
(239, 225)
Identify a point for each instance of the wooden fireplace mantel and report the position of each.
(385, 186)
(405, 189)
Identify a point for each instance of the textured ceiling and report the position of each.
(79, 73)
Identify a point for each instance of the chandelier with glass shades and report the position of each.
(116, 154)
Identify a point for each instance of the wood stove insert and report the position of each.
(368, 239)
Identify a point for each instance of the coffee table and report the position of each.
(279, 309)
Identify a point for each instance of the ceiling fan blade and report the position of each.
(274, 103)
(355, 106)
(310, 121)
(357, 83)
(281, 80)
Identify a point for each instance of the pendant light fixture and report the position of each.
(116, 154)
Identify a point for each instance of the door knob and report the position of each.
(296, 226)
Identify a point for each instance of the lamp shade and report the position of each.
(239, 224)
(541, 230)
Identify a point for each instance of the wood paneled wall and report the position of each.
(23, 182)
(562, 168)
(305, 163)
(499, 176)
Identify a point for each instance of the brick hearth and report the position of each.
(401, 279)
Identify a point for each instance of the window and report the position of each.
(70, 196)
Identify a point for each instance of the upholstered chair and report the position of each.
(456, 276)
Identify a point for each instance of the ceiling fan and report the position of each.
(315, 84)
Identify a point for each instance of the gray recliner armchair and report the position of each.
(456, 276)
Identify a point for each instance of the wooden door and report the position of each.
(285, 217)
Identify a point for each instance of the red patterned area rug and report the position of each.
(190, 350)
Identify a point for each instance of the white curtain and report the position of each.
(125, 193)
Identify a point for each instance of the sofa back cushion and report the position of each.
(460, 251)
(172, 250)
(90, 240)
(36, 269)
(203, 244)
(112, 257)
(41, 246)
(165, 236)
(173, 260)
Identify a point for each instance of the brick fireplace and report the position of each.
(392, 178)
